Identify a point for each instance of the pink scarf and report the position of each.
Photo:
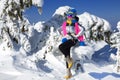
(77, 30)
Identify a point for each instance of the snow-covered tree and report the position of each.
(115, 40)
(115, 36)
(14, 27)
(96, 28)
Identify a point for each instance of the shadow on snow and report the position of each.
(99, 76)
(41, 65)
(103, 54)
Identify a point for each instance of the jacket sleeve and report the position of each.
(63, 27)
(81, 32)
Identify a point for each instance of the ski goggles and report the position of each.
(70, 15)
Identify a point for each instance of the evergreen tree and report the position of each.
(14, 27)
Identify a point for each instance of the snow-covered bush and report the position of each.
(115, 42)
(58, 17)
(96, 28)
(25, 43)
(118, 26)
(115, 37)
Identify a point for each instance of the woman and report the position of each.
(72, 33)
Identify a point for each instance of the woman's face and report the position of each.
(69, 17)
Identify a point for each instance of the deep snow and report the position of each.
(53, 67)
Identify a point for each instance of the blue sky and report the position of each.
(107, 9)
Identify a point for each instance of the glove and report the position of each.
(64, 40)
(82, 43)
(72, 35)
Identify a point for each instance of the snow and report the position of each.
(38, 2)
(53, 68)
(118, 25)
(37, 57)
(39, 26)
(106, 25)
(61, 10)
